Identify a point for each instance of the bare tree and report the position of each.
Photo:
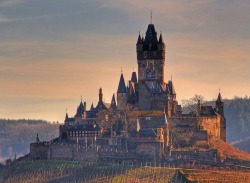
(193, 104)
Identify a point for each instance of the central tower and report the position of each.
(151, 56)
(151, 61)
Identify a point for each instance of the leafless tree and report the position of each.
(193, 104)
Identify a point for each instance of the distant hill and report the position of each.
(16, 135)
(243, 144)
(237, 112)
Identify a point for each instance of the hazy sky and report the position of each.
(54, 51)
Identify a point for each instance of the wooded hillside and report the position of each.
(16, 135)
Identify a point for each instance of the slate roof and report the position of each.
(170, 88)
(85, 127)
(80, 110)
(160, 39)
(207, 111)
(113, 102)
(139, 40)
(121, 86)
(150, 42)
(219, 99)
(147, 132)
(134, 77)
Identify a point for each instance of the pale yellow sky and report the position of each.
(51, 54)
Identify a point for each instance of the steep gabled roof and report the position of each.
(122, 86)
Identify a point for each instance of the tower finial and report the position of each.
(151, 17)
(81, 97)
(121, 70)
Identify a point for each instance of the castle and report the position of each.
(144, 116)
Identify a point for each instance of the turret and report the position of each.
(220, 110)
(219, 105)
(121, 93)
(151, 56)
(161, 44)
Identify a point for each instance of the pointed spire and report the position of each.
(134, 77)
(66, 117)
(122, 86)
(160, 39)
(171, 87)
(219, 99)
(139, 41)
(92, 107)
(113, 102)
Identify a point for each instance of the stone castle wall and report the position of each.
(39, 150)
(201, 128)
(60, 151)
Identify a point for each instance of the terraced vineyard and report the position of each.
(215, 176)
(28, 171)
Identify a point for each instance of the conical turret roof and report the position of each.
(122, 86)
(151, 41)
(113, 101)
(219, 99)
(134, 77)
